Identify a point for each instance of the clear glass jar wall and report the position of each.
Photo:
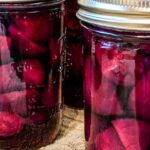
(73, 91)
(30, 79)
(116, 90)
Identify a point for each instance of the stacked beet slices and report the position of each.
(29, 51)
(117, 96)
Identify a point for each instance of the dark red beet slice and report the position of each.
(48, 98)
(93, 126)
(105, 100)
(37, 26)
(23, 44)
(9, 80)
(134, 134)
(139, 100)
(54, 46)
(108, 140)
(18, 76)
(39, 116)
(91, 79)
(144, 47)
(117, 66)
(10, 124)
(33, 72)
(5, 46)
(19, 101)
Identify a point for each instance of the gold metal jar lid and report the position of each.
(120, 14)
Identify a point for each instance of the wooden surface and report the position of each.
(72, 132)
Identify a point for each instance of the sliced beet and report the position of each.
(37, 27)
(9, 79)
(5, 47)
(93, 126)
(39, 116)
(117, 66)
(10, 124)
(19, 101)
(18, 76)
(54, 45)
(105, 100)
(33, 72)
(108, 140)
(134, 134)
(24, 45)
(91, 79)
(48, 99)
(139, 100)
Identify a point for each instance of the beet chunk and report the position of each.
(48, 98)
(91, 80)
(5, 47)
(139, 100)
(37, 27)
(19, 101)
(117, 66)
(10, 124)
(108, 140)
(21, 75)
(134, 134)
(105, 100)
(54, 45)
(39, 116)
(93, 126)
(24, 45)
(9, 79)
(33, 72)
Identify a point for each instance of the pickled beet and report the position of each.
(134, 134)
(36, 27)
(54, 46)
(91, 80)
(10, 124)
(39, 116)
(94, 125)
(33, 72)
(139, 100)
(108, 140)
(19, 101)
(105, 100)
(48, 99)
(5, 46)
(24, 45)
(117, 66)
(18, 76)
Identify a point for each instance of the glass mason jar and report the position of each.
(30, 75)
(73, 91)
(117, 74)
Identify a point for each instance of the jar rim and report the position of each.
(27, 4)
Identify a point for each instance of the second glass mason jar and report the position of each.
(30, 72)
(117, 74)
(73, 45)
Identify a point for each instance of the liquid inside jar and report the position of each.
(30, 80)
(73, 90)
(116, 92)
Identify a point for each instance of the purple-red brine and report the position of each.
(73, 62)
(30, 74)
(116, 75)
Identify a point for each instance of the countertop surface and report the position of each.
(71, 136)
